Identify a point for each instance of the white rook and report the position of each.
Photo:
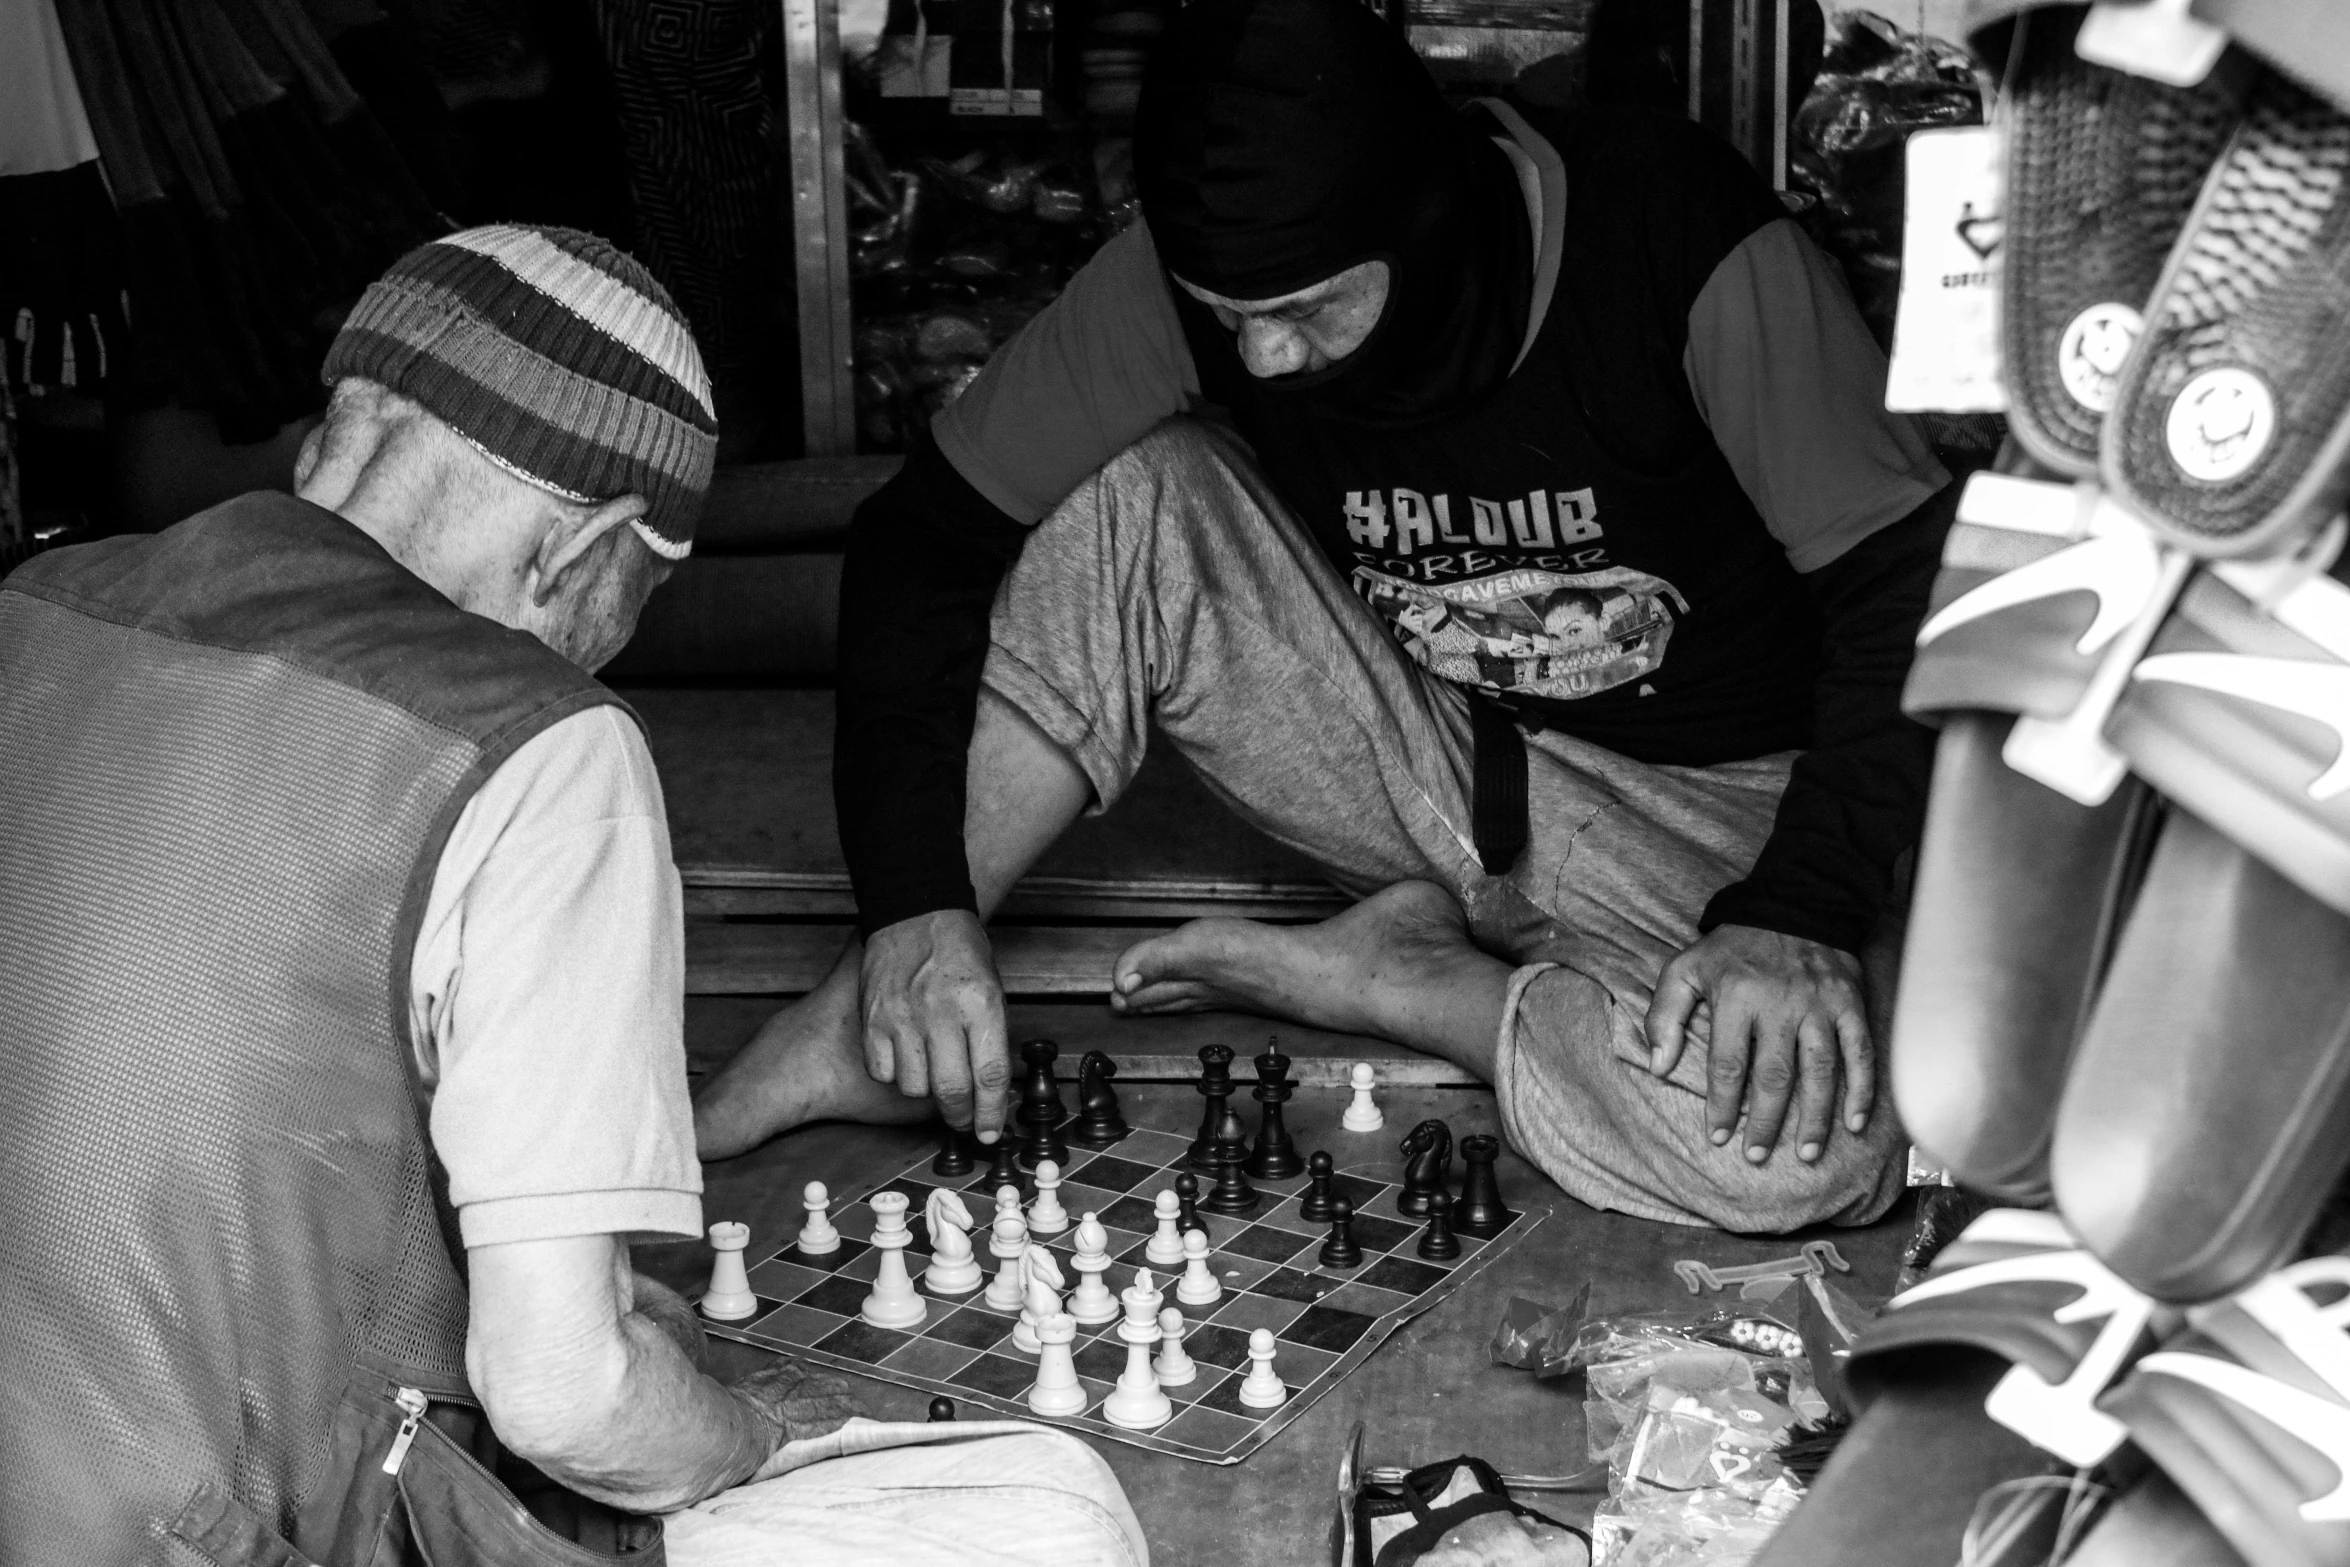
(729, 1297)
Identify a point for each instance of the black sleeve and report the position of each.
(1857, 798)
(925, 555)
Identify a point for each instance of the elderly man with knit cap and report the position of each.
(343, 996)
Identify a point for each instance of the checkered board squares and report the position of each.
(1325, 1320)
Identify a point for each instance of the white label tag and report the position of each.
(2151, 38)
(1946, 333)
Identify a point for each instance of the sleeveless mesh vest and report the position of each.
(229, 756)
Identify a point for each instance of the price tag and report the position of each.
(1946, 332)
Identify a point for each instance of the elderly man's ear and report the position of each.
(572, 536)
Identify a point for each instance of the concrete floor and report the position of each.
(1429, 1392)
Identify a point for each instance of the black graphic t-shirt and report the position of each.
(1615, 539)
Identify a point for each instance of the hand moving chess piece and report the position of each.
(1040, 1112)
(1274, 1158)
(1166, 1247)
(953, 1270)
(1137, 1403)
(1314, 1206)
(1008, 1243)
(1427, 1152)
(1480, 1213)
(893, 1302)
(1340, 1250)
(1093, 1303)
(1362, 1115)
(729, 1297)
(1046, 1216)
(1438, 1245)
(1041, 1296)
(954, 1152)
(1199, 1286)
(1215, 1084)
(817, 1237)
(1175, 1368)
(1261, 1388)
(1099, 1122)
(1057, 1390)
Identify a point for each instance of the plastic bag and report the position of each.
(1538, 1338)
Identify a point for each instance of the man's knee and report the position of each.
(1854, 1181)
(1048, 1460)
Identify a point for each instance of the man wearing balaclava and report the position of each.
(1507, 517)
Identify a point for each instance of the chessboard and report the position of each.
(1326, 1321)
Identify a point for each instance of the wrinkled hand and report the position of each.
(798, 1402)
(1500, 1540)
(934, 1017)
(1785, 1013)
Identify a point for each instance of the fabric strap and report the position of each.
(1498, 804)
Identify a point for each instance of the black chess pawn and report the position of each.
(954, 1153)
(1438, 1245)
(1187, 1204)
(1215, 1083)
(1232, 1192)
(1314, 1206)
(1275, 1156)
(1427, 1152)
(1099, 1122)
(942, 1410)
(1041, 1112)
(1004, 1168)
(1340, 1250)
(1480, 1213)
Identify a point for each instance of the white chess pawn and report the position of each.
(1261, 1388)
(1007, 1200)
(1093, 1303)
(1137, 1403)
(1042, 1300)
(1007, 1243)
(1045, 1215)
(953, 1270)
(817, 1237)
(1362, 1115)
(1166, 1247)
(1057, 1390)
(1175, 1366)
(729, 1297)
(1200, 1286)
(893, 1302)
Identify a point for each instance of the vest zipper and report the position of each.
(414, 1403)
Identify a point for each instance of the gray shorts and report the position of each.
(1174, 590)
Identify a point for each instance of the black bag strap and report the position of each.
(1497, 807)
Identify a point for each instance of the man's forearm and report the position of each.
(924, 558)
(1855, 799)
(595, 1392)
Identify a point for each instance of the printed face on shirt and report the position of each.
(1310, 330)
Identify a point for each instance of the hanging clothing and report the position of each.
(256, 192)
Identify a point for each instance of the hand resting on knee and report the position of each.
(1785, 1015)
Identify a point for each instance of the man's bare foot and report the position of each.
(1399, 965)
(806, 1064)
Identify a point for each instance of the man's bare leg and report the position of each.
(1398, 966)
(808, 1062)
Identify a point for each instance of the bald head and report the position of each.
(572, 573)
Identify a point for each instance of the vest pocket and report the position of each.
(459, 1514)
(228, 1533)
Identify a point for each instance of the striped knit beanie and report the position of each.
(555, 355)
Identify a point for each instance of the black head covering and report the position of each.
(1280, 142)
